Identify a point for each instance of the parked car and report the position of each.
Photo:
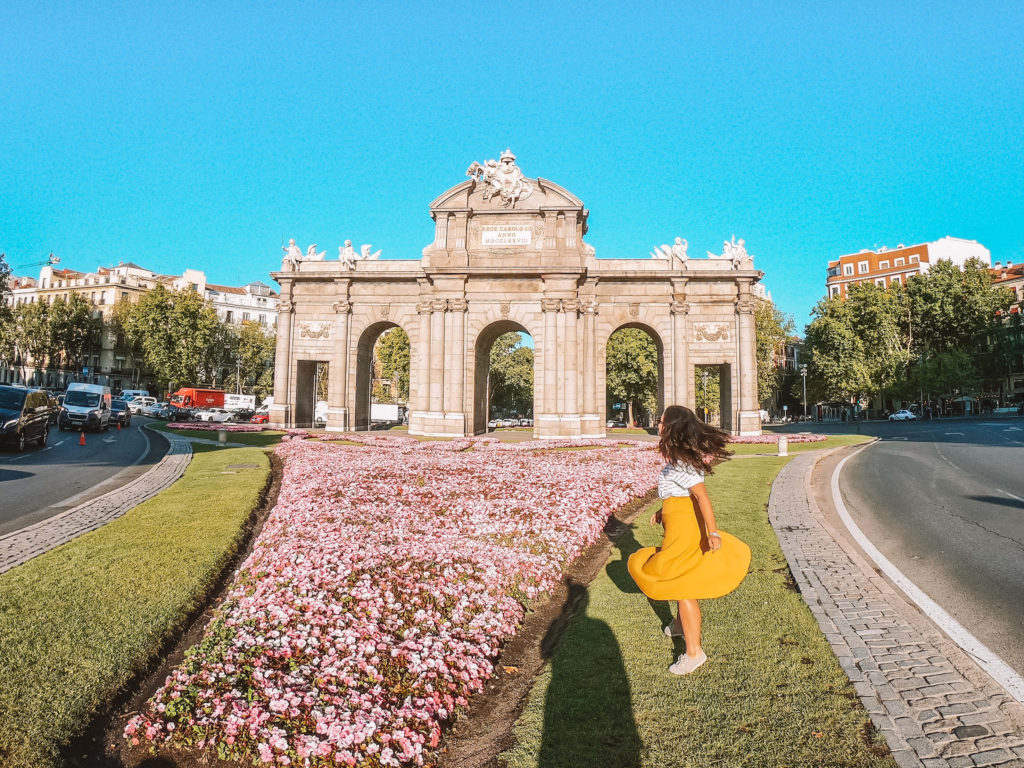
(120, 413)
(526, 422)
(139, 402)
(167, 413)
(153, 409)
(903, 415)
(54, 407)
(218, 415)
(241, 415)
(612, 424)
(492, 424)
(24, 416)
(260, 417)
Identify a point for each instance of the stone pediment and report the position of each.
(472, 195)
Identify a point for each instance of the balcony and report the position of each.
(834, 272)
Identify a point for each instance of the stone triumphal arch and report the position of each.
(509, 254)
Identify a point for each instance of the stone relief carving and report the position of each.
(315, 330)
(504, 307)
(680, 308)
(634, 310)
(342, 307)
(384, 310)
(503, 179)
(711, 332)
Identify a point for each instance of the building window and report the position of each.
(124, 295)
(899, 262)
(834, 289)
(862, 267)
(880, 282)
(245, 317)
(848, 269)
(229, 316)
(883, 264)
(914, 259)
(897, 279)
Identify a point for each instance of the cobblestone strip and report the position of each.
(930, 713)
(21, 546)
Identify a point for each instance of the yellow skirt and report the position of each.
(684, 567)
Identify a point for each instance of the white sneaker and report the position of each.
(686, 664)
(670, 633)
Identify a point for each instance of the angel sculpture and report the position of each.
(670, 252)
(366, 252)
(312, 255)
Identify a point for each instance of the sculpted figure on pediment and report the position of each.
(292, 255)
(503, 178)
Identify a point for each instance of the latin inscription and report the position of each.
(504, 235)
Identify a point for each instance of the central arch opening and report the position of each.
(504, 368)
(634, 377)
(382, 377)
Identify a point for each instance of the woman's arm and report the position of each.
(700, 495)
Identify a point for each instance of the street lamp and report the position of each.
(803, 373)
(238, 375)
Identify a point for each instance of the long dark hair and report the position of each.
(685, 439)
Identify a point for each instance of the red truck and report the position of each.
(190, 397)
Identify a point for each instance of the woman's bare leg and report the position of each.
(689, 619)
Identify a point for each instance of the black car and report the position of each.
(119, 413)
(24, 416)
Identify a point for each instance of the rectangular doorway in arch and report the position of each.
(712, 387)
(311, 377)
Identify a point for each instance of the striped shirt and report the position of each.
(678, 479)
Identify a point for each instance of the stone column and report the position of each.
(436, 362)
(419, 375)
(561, 360)
(546, 423)
(681, 392)
(282, 409)
(337, 389)
(570, 310)
(748, 421)
(455, 409)
(590, 420)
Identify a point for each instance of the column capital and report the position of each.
(285, 306)
(551, 305)
(457, 305)
(423, 308)
(680, 308)
(438, 305)
(588, 306)
(342, 307)
(746, 305)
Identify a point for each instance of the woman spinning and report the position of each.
(695, 561)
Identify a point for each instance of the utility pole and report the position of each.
(803, 373)
(704, 378)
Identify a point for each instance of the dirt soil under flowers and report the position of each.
(476, 739)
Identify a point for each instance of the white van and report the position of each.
(86, 406)
(128, 394)
(137, 403)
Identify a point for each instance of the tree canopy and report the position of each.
(632, 369)
(511, 375)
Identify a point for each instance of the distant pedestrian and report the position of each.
(695, 561)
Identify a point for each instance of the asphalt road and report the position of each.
(40, 483)
(944, 501)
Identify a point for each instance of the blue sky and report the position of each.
(203, 137)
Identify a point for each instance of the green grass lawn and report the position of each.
(77, 623)
(772, 694)
(772, 449)
(265, 439)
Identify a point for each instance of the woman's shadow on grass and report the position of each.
(588, 712)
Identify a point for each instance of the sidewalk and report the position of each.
(21, 546)
(936, 708)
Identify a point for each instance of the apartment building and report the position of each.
(886, 266)
(115, 365)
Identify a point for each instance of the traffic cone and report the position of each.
(81, 440)
(119, 426)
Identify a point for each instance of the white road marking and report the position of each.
(19, 458)
(1012, 429)
(109, 440)
(998, 669)
(955, 433)
(60, 443)
(1008, 494)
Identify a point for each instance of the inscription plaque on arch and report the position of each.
(505, 235)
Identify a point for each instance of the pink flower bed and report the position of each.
(773, 438)
(380, 592)
(206, 426)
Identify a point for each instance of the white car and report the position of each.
(151, 410)
(136, 404)
(213, 414)
(492, 424)
(903, 415)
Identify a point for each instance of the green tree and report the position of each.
(511, 375)
(708, 390)
(632, 368)
(253, 355)
(31, 334)
(176, 331)
(7, 346)
(838, 367)
(773, 328)
(392, 350)
(75, 330)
